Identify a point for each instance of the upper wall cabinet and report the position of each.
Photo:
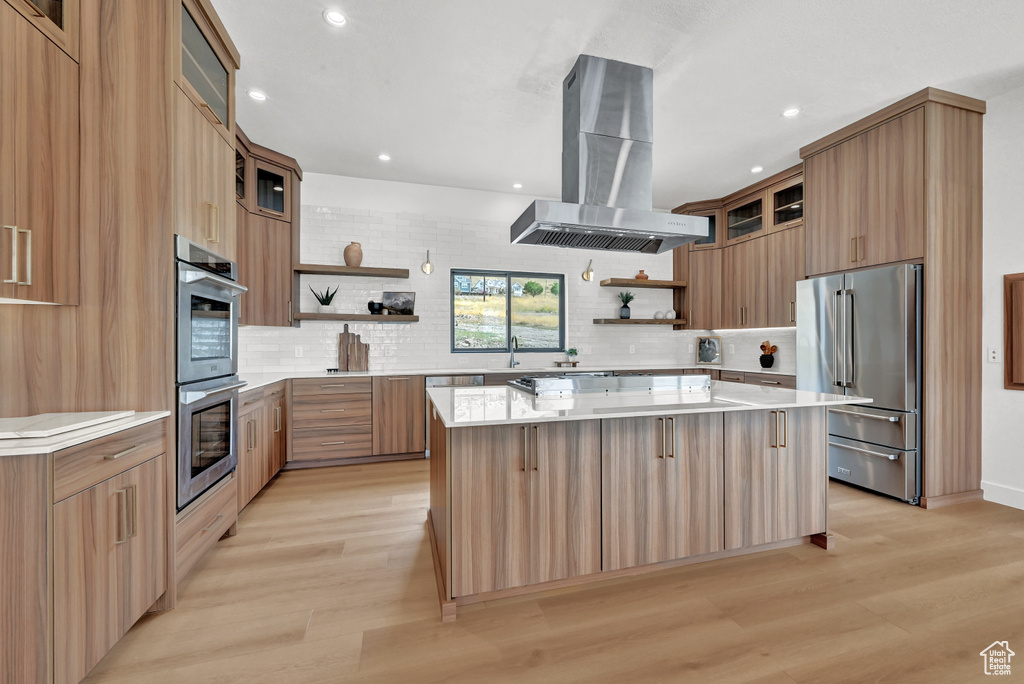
(39, 165)
(745, 218)
(58, 20)
(207, 61)
(786, 202)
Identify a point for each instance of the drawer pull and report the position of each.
(330, 443)
(888, 419)
(770, 382)
(891, 457)
(332, 410)
(220, 516)
(402, 378)
(327, 386)
(131, 450)
(251, 401)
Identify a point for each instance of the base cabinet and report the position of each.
(525, 504)
(397, 408)
(261, 439)
(661, 489)
(331, 419)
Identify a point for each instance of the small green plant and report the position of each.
(326, 297)
(626, 297)
(571, 352)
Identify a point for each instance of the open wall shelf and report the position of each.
(653, 284)
(365, 318)
(324, 269)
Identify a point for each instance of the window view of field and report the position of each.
(482, 303)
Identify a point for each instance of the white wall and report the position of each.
(1002, 410)
(396, 223)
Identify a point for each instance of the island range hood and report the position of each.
(607, 135)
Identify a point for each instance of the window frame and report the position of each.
(509, 275)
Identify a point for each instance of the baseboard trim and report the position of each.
(1002, 494)
(354, 460)
(951, 499)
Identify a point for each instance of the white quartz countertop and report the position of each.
(68, 429)
(501, 405)
(258, 380)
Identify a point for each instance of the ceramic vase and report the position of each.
(624, 312)
(767, 360)
(353, 254)
(641, 275)
(325, 308)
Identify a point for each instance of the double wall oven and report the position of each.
(206, 322)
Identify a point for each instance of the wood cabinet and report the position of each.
(525, 504)
(704, 289)
(661, 488)
(745, 217)
(331, 419)
(744, 279)
(785, 267)
(39, 163)
(204, 189)
(786, 204)
(205, 63)
(775, 475)
(865, 198)
(261, 439)
(265, 267)
(398, 410)
(58, 20)
(207, 519)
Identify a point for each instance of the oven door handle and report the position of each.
(197, 276)
(193, 397)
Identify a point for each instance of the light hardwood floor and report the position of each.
(330, 579)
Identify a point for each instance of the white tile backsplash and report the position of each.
(401, 240)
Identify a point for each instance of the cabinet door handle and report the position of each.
(130, 450)
(133, 505)
(794, 222)
(783, 432)
(277, 416)
(251, 427)
(672, 437)
(536, 447)
(860, 250)
(122, 509)
(661, 454)
(330, 443)
(220, 516)
(212, 114)
(526, 447)
(28, 257)
(853, 250)
(773, 442)
(212, 222)
(14, 254)
(792, 312)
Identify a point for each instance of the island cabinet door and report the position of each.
(638, 511)
(803, 472)
(695, 472)
(751, 488)
(489, 504)
(565, 500)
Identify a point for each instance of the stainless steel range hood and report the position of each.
(607, 135)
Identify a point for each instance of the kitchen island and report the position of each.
(531, 493)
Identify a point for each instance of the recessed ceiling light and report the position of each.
(384, 157)
(757, 169)
(517, 186)
(791, 112)
(334, 17)
(257, 95)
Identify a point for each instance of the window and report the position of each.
(489, 308)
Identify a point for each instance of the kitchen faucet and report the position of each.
(512, 363)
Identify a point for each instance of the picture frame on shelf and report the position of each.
(709, 350)
(403, 303)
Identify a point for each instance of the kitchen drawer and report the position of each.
(329, 443)
(250, 398)
(730, 376)
(203, 523)
(314, 387)
(325, 411)
(770, 380)
(78, 468)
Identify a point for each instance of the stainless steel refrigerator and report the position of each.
(859, 334)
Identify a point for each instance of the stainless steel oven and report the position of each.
(207, 313)
(207, 439)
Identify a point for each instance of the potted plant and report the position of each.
(325, 298)
(570, 355)
(767, 351)
(626, 298)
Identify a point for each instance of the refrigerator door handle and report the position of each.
(849, 355)
(835, 339)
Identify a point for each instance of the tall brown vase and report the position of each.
(353, 254)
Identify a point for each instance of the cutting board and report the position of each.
(353, 355)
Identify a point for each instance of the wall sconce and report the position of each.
(427, 267)
(589, 273)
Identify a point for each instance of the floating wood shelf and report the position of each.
(639, 321)
(324, 269)
(367, 318)
(654, 284)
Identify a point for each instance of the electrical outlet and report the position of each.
(632, 349)
(994, 356)
(689, 348)
(298, 352)
(732, 349)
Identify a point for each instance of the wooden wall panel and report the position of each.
(953, 300)
(114, 350)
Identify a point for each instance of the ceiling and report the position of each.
(467, 93)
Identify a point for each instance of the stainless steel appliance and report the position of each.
(206, 325)
(447, 381)
(607, 382)
(859, 334)
(607, 139)
(207, 439)
(207, 313)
